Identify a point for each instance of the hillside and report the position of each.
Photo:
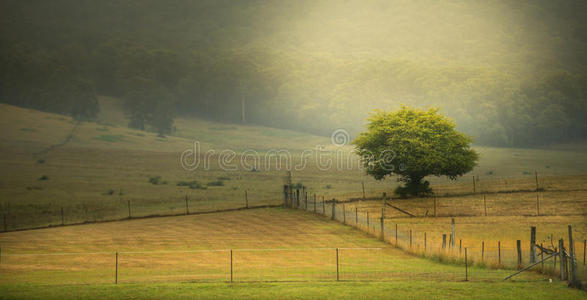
(105, 165)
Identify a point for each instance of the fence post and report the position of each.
(536, 176)
(187, 209)
(542, 259)
(333, 209)
(554, 264)
(410, 238)
(533, 244)
(561, 256)
(519, 248)
(323, 206)
(424, 242)
(485, 205)
(572, 262)
(246, 200)
(314, 202)
(337, 278)
(129, 215)
(444, 241)
(452, 228)
(285, 195)
(116, 270)
(584, 247)
(356, 217)
(343, 214)
(537, 205)
(62, 217)
(368, 231)
(230, 265)
(483, 251)
(466, 267)
(460, 246)
(396, 244)
(382, 226)
(297, 198)
(306, 200)
(499, 252)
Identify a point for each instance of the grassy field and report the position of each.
(160, 259)
(103, 166)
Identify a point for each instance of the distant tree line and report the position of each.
(208, 58)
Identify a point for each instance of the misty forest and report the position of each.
(511, 73)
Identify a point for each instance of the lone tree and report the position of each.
(413, 144)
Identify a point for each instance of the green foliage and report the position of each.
(194, 185)
(156, 180)
(44, 177)
(413, 144)
(216, 183)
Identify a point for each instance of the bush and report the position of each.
(155, 180)
(328, 186)
(194, 185)
(216, 183)
(44, 177)
(223, 178)
(41, 161)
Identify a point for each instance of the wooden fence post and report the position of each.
(424, 242)
(396, 244)
(519, 248)
(368, 223)
(499, 253)
(116, 269)
(542, 259)
(410, 238)
(129, 215)
(333, 217)
(382, 226)
(483, 251)
(561, 256)
(584, 247)
(285, 189)
(356, 217)
(231, 266)
(452, 231)
(343, 213)
(537, 205)
(323, 206)
(297, 198)
(460, 246)
(337, 278)
(533, 244)
(187, 209)
(573, 281)
(306, 199)
(444, 241)
(536, 176)
(466, 267)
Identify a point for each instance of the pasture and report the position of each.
(171, 257)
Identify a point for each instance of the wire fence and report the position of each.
(16, 218)
(447, 247)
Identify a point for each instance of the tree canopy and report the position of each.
(413, 144)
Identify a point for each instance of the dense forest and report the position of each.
(511, 73)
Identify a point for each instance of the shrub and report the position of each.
(223, 178)
(328, 186)
(216, 183)
(194, 185)
(41, 161)
(155, 179)
(44, 177)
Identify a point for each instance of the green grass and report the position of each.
(299, 290)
